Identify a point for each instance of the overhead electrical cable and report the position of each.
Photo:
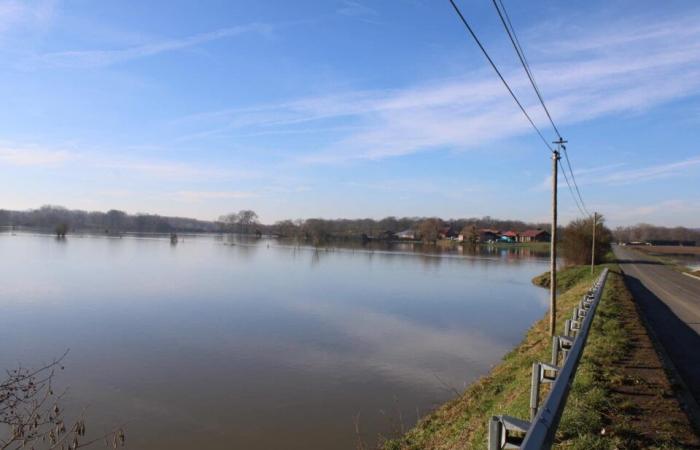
(498, 72)
(510, 30)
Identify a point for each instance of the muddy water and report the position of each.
(223, 343)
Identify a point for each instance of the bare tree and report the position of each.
(471, 234)
(430, 229)
(31, 417)
(247, 218)
(578, 239)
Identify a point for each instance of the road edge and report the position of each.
(680, 388)
(691, 275)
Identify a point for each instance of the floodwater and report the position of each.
(259, 344)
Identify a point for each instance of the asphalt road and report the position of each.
(670, 302)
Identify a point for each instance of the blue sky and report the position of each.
(347, 108)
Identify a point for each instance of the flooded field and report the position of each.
(218, 342)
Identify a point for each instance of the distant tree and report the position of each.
(244, 221)
(646, 232)
(577, 241)
(429, 229)
(389, 224)
(317, 230)
(61, 230)
(247, 219)
(286, 228)
(471, 234)
(116, 220)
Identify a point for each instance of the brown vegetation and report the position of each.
(32, 418)
(577, 242)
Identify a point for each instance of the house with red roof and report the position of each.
(538, 235)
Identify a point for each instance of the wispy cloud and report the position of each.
(33, 157)
(358, 10)
(25, 13)
(639, 68)
(101, 58)
(196, 196)
(37, 156)
(655, 172)
(611, 175)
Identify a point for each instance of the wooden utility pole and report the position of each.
(595, 222)
(553, 244)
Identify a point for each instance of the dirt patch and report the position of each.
(648, 414)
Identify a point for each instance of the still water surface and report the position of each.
(259, 345)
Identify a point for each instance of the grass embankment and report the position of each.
(598, 415)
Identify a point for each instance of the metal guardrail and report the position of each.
(507, 432)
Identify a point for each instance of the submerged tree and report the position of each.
(61, 230)
(31, 417)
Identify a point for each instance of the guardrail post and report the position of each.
(555, 350)
(539, 375)
(495, 431)
(560, 344)
(534, 389)
(506, 432)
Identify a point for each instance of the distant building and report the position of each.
(407, 235)
(534, 236)
(489, 235)
(447, 232)
(387, 236)
(511, 235)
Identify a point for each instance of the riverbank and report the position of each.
(621, 396)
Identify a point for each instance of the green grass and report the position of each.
(462, 423)
(566, 279)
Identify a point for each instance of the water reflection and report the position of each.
(224, 341)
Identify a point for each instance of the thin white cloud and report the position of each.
(610, 175)
(33, 157)
(655, 172)
(355, 9)
(196, 196)
(101, 58)
(635, 72)
(25, 13)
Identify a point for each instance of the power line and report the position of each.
(498, 72)
(566, 178)
(568, 163)
(523, 60)
(510, 30)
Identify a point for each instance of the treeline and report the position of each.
(50, 217)
(645, 232)
(113, 221)
(322, 229)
